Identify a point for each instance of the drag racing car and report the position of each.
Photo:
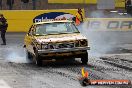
(55, 39)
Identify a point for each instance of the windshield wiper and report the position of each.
(53, 33)
(68, 32)
(76, 32)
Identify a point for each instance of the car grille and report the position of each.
(65, 45)
(58, 46)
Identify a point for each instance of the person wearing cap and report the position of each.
(3, 28)
(79, 17)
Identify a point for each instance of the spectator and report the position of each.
(1, 4)
(10, 4)
(34, 4)
(128, 6)
(79, 16)
(24, 4)
(3, 28)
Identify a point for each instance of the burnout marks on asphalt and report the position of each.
(121, 61)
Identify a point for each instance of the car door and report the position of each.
(29, 39)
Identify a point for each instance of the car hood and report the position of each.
(59, 38)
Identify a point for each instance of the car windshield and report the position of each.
(55, 28)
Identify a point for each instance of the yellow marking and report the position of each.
(83, 72)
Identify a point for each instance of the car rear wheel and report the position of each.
(84, 58)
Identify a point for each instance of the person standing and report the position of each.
(1, 4)
(10, 4)
(34, 4)
(3, 28)
(24, 4)
(79, 17)
(128, 4)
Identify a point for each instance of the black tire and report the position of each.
(37, 59)
(84, 58)
(39, 62)
(28, 55)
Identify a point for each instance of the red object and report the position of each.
(77, 21)
(86, 74)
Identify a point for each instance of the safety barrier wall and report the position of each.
(118, 3)
(21, 20)
(108, 24)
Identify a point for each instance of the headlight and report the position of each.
(38, 46)
(83, 42)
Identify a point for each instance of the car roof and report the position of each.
(53, 21)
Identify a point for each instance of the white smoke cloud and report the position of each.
(102, 42)
(17, 56)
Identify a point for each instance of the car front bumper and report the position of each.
(64, 50)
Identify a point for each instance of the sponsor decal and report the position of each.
(85, 81)
(52, 15)
(109, 24)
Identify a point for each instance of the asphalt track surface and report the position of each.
(18, 72)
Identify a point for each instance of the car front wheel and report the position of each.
(37, 59)
(28, 55)
(84, 58)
